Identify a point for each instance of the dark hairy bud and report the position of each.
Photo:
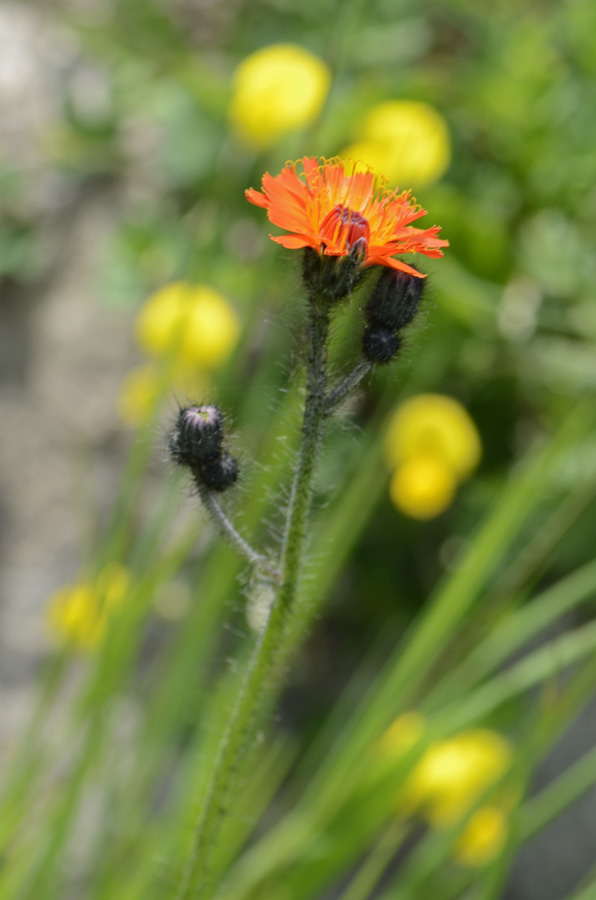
(197, 436)
(196, 442)
(394, 300)
(218, 473)
(379, 345)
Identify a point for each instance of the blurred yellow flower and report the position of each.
(78, 614)
(141, 389)
(276, 90)
(436, 425)
(449, 779)
(483, 837)
(194, 321)
(137, 395)
(453, 774)
(423, 486)
(431, 444)
(405, 140)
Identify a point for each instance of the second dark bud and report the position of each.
(394, 300)
(220, 472)
(379, 345)
(392, 305)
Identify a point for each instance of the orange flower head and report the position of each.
(331, 207)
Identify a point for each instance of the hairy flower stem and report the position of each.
(262, 675)
(229, 532)
(312, 424)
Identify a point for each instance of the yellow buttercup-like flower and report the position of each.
(78, 614)
(194, 321)
(405, 140)
(277, 90)
(436, 425)
(431, 444)
(449, 779)
(423, 486)
(453, 774)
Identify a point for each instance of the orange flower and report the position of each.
(335, 209)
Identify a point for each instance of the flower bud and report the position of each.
(218, 473)
(197, 436)
(333, 277)
(394, 300)
(379, 345)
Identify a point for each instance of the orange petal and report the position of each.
(256, 197)
(295, 241)
(303, 194)
(392, 263)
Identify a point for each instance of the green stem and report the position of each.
(369, 874)
(350, 382)
(314, 414)
(263, 670)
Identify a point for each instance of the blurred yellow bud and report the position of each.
(402, 734)
(432, 425)
(193, 321)
(483, 837)
(143, 387)
(138, 395)
(423, 487)
(407, 141)
(78, 614)
(276, 90)
(453, 774)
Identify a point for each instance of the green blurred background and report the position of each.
(120, 172)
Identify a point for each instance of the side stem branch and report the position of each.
(350, 382)
(229, 532)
